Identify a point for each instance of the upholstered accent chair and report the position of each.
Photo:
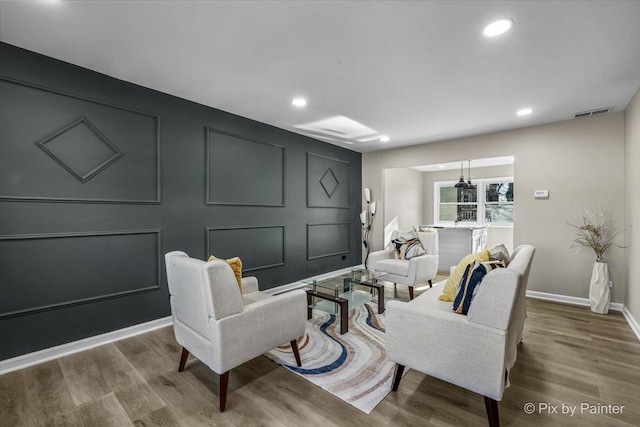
(475, 351)
(223, 328)
(415, 271)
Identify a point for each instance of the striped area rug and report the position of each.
(353, 366)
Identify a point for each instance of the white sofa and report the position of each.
(223, 328)
(411, 272)
(475, 351)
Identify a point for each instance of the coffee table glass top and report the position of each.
(358, 287)
(357, 275)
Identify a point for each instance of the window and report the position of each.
(498, 202)
(457, 204)
(491, 202)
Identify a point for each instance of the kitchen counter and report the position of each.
(457, 241)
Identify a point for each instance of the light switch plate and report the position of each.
(541, 194)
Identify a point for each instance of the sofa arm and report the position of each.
(495, 300)
(262, 326)
(424, 267)
(379, 256)
(249, 285)
(447, 346)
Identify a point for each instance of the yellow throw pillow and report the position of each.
(236, 266)
(451, 287)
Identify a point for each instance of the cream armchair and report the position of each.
(223, 328)
(475, 351)
(411, 272)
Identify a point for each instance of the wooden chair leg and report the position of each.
(410, 292)
(492, 411)
(397, 376)
(296, 352)
(224, 386)
(183, 359)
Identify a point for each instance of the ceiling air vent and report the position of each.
(592, 112)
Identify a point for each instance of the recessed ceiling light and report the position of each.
(524, 111)
(498, 27)
(299, 102)
(384, 138)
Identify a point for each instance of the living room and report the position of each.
(271, 131)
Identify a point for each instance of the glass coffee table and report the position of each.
(339, 294)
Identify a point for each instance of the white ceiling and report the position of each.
(415, 71)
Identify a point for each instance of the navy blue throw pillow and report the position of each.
(468, 285)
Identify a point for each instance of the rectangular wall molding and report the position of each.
(259, 247)
(55, 131)
(100, 297)
(327, 239)
(257, 169)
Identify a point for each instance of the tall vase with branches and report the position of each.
(596, 234)
(366, 220)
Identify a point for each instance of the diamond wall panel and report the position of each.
(327, 182)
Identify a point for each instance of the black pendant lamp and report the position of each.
(461, 183)
(470, 186)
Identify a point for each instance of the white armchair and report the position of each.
(474, 352)
(223, 328)
(411, 272)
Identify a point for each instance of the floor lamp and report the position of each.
(366, 219)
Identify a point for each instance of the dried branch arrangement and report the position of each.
(594, 233)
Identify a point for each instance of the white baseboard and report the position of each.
(635, 326)
(30, 359)
(616, 306)
(301, 283)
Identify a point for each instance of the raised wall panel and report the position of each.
(327, 239)
(64, 148)
(242, 171)
(327, 182)
(49, 271)
(257, 247)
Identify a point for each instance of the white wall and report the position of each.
(579, 161)
(632, 204)
(403, 199)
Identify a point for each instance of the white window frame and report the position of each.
(481, 184)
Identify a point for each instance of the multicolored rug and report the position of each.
(353, 366)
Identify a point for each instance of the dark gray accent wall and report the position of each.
(100, 177)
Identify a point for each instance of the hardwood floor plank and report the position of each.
(132, 391)
(83, 378)
(162, 417)
(47, 391)
(14, 403)
(106, 411)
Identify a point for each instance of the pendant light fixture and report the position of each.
(470, 186)
(461, 183)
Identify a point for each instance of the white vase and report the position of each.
(599, 291)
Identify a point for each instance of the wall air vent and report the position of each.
(592, 112)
